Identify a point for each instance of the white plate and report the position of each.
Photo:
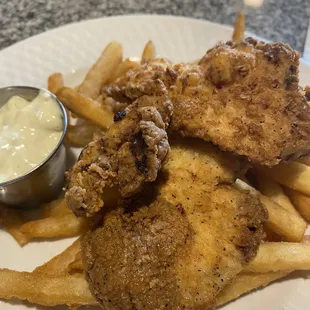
(71, 49)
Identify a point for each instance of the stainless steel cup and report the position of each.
(44, 182)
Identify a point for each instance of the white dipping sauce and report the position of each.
(29, 132)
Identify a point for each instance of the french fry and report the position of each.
(85, 108)
(291, 174)
(71, 290)
(124, 67)
(67, 225)
(80, 135)
(149, 52)
(238, 34)
(11, 220)
(59, 264)
(55, 82)
(289, 226)
(280, 256)
(77, 264)
(301, 202)
(55, 208)
(244, 283)
(274, 191)
(101, 71)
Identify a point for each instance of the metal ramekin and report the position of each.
(44, 182)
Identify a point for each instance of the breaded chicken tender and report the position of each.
(242, 96)
(128, 155)
(181, 242)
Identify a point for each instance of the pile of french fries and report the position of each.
(284, 190)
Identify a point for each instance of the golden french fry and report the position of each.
(71, 116)
(274, 191)
(67, 225)
(124, 67)
(58, 265)
(49, 206)
(77, 264)
(280, 256)
(11, 220)
(80, 135)
(101, 71)
(301, 202)
(85, 108)
(149, 52)
(71, 290)
(290, 226)
(244, 283)
(55, 208)
(239, 28)
(55, 82)
(291, 174)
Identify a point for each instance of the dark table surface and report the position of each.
(277, 20)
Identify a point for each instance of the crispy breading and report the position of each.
(130, 154)
(178, 248)
(242, 96)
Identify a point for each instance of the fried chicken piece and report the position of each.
(127, 88)
(130, 154)
(181, 248)
(243, 97)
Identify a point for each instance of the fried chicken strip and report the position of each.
(181, 247)
(242, 96)
(130, 154)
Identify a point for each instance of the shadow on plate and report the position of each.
(70, 157)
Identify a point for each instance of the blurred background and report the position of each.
(279, 20)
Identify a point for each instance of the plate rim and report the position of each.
(91, 20)
(152, 16)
